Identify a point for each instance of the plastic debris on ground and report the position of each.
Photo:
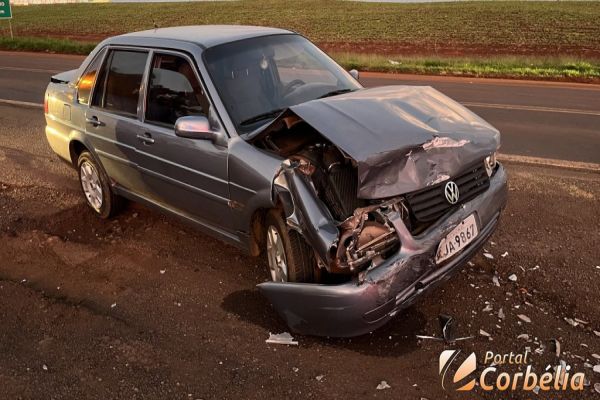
(504, 254)
(524, 318)
(484, 333)
(596, 368)
(496, 280)
(383, 385)
(319, 377)
(501, 314)
(488, 256)
(281, 338)
(447, 326)
(597, 387)
(512, 278)
(523, 336)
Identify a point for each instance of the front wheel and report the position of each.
(290, 258)
(96, 188)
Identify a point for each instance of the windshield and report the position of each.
(260, 77)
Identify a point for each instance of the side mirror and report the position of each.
(354, 74)
(194, 127)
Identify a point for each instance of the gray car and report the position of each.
(361, 199)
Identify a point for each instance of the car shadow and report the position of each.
(396, 338)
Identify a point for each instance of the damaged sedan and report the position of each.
(361, 200)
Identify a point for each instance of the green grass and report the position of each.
(487, 27)
(555, 68)
(46, 45)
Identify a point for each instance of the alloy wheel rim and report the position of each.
(276, 256)
(90, 182)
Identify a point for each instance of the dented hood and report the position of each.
(403, 138)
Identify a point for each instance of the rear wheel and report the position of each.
(96, 188)
(290, 258)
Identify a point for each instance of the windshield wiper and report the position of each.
(336, 92)
(260, 117)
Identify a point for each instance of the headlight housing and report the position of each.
(490, 164)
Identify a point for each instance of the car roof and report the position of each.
(207, 35)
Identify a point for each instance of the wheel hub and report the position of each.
(92, 187)
(276, 256)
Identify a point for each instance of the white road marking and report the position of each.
(531, 108)
(21, 103)
(47, 71)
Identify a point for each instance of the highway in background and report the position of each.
(552, 120)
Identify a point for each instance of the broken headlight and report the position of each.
(490, 164)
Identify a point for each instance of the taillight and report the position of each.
(46, 104)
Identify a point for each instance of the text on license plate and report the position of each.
(458, 239)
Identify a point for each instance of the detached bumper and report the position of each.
(363, 305)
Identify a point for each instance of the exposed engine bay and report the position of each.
(353, 234)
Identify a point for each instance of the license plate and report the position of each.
(458, 239)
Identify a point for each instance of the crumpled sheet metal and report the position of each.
(306, 212)
(402, 137)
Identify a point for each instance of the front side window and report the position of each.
(120, 81)
(173, 91)
(86, 81)
(257, 78)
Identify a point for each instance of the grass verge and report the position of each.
(548, 68)
(64, 46)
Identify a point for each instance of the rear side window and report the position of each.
(86, 81)
(173, 91)
(119, 84)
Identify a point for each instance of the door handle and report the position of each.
(146, 138)
(94, 121)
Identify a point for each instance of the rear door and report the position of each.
(188, 175)
(112, 119)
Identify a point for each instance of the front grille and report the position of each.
(429, 204)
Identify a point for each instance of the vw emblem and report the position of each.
(451, 192)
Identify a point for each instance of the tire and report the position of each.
(299, 256)
(95, 187)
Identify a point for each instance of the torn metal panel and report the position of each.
(305, 212)
(402, 137)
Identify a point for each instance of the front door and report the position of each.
(112, 119)
(188, 176)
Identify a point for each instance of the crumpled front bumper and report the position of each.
(372, 299)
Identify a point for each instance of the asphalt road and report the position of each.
(537, 119)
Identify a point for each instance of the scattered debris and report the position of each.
(295, 369)
(597, 387)
(488, 256)
(281, 338)
(536, 390)
(556, 346)
(383, 385)
(524, 318)
(501, 314)
(113, 305)
(504, 254)
(596, 356)
(45, 367)
(534, 268)
(523, 336)
(447, 327)
(496, 280)
(512, 278)
(571, 322)
(487, 308)
(582, 322)
(597, 333)
(470, 264)
(484, 333)
(162, 271)
(319, 377)
(394, 62)
(596, 368)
